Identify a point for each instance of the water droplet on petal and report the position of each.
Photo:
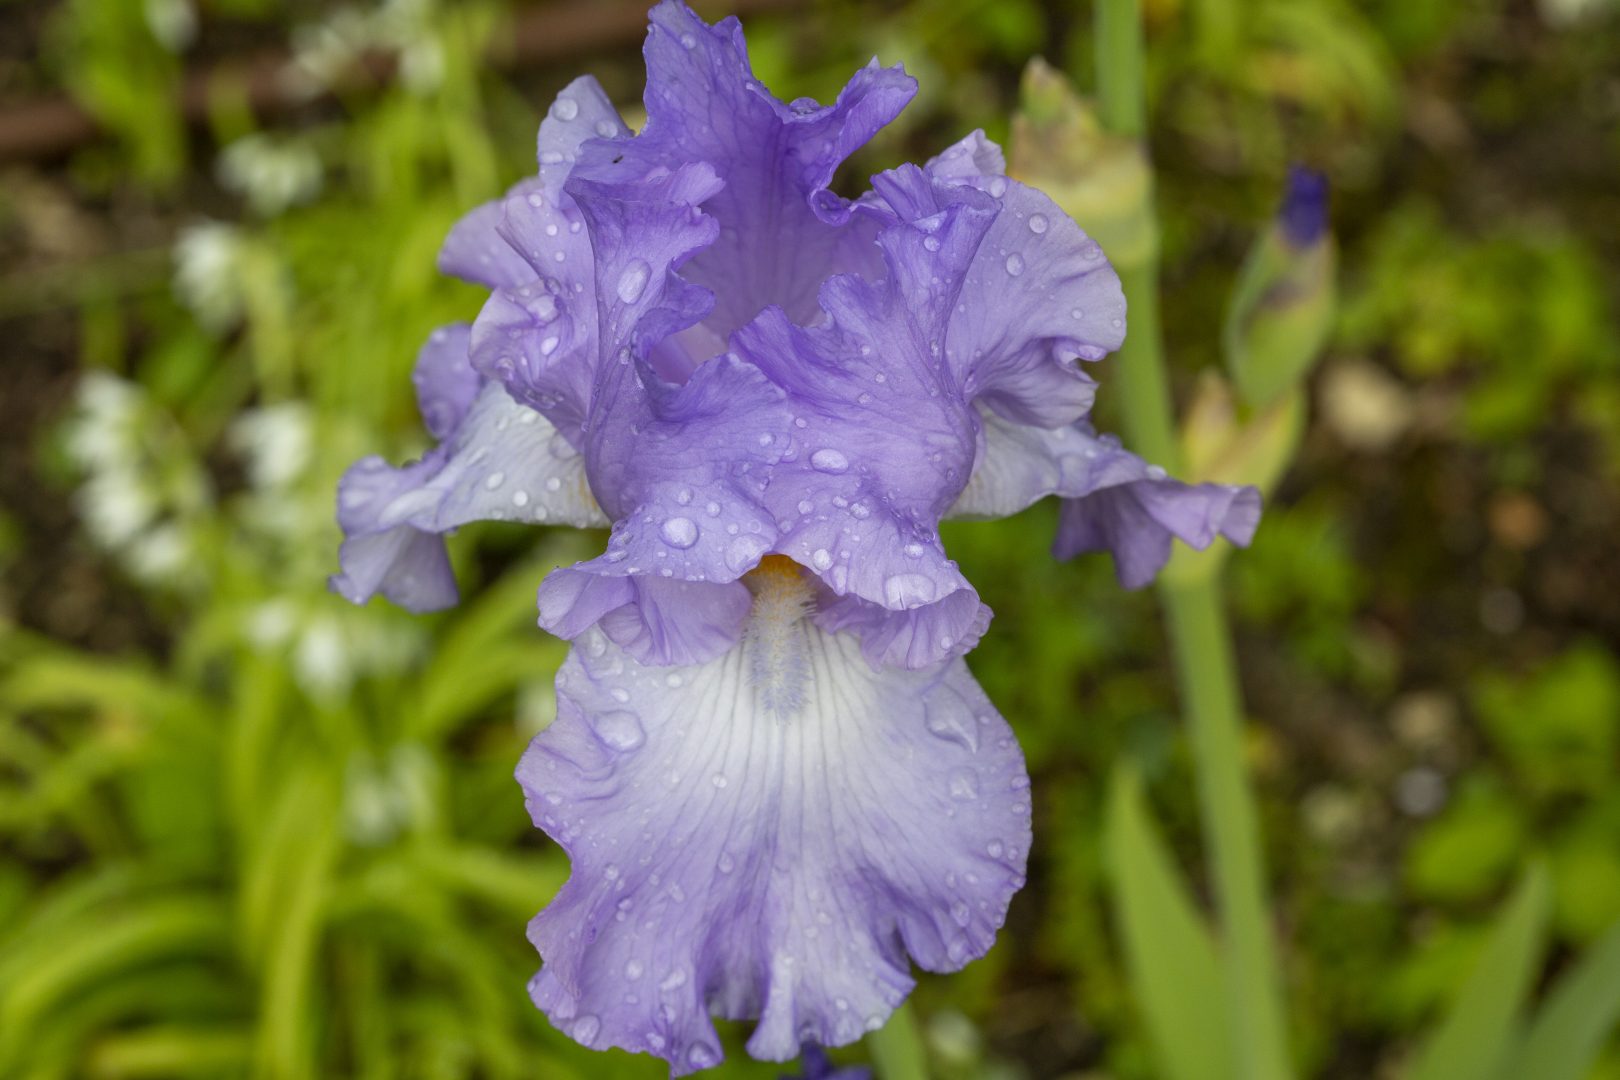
(585, 1028)
(744, 552)
(931, 243)
(548, 346)
(633, 281)
(903, 591)
(633, 969)
(621, 730)
(1037, 223)
(494, 480)
(688, 41)
(961, 913)
(829, 461)
(821, 558)
(998, 187)
(964, 785)
(564, 108)
(701, 1056)
(1015, 264)
(679, 532)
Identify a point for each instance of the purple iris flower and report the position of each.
(777, 781)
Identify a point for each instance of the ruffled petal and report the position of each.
(1038, 296)
(776, 160)
(499, 461)
(690, 465)
(445, 381)
(859, 497)
(580, 113)
(657, 621)
(1112, 500)
(1135, 519)
(769, 835)
(475, 251)
(537, 333)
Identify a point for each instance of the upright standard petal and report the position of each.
(768, 835)
(775, 159)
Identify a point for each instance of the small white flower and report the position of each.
(276, 442)
(271, 173)
(207, 259)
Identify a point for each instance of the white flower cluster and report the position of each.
(271, 172)
(325, 51)
(208, 258)
(139, 499)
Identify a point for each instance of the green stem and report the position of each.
(1206, 676)
(897, 1048)
(1200, 640)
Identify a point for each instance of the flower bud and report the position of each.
(1101, 180)
(1283, 306)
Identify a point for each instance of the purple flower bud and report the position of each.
(1303, 215)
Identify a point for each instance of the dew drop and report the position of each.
(565, 108)
(702, 1056)
(621, 730)
(903, 591)
(726, 863)
(821, 559)
(633, 281)
(964, 785)
(520, 498)
(931, 243)
(633, 969)
(679, 532)
(673, 981)
(688, 41)
(494, 480)
(994, 849)
(1037, 223)
(586, 1027)
(548, 346)
(961, 913)
(744, 552)
(1015, 264)
(829, 461)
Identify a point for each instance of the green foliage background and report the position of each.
(246, 830)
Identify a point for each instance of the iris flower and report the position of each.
(777, 781)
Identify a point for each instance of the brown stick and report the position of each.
(51, 127)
